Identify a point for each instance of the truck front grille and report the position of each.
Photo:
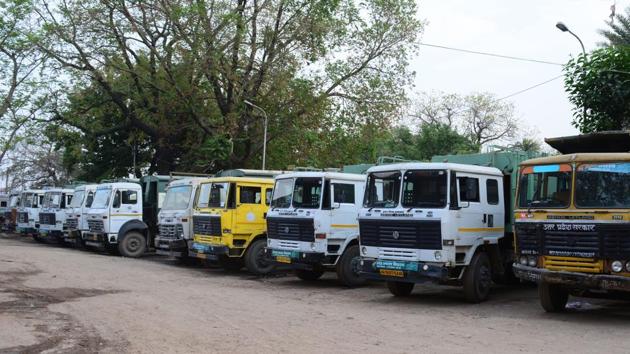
(96, 225)
(413, 234)
(170, 231)
(580, 240)
(291, 229)
(47, 218)
(22, 217)
(208, 225)
(573, 264)
(72, 224)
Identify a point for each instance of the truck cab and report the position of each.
(10, 214)
(115, 219)
(28, 212)
(52, 215)
(76, 214)
(312, 224)
(573, 224)
(4, 208)
(175, 220)
(229, 222)
(440, 222)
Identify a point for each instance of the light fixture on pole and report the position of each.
(562, 27)
(265, 131)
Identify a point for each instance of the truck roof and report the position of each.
(85, 187)
(120, 185)
(332, 175)
(239, 179)
(242, 172)
(581, 157)
(438, 166)
(36, 191)
(59, 190)
(186, 181)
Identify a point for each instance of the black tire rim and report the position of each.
(262, 263)
(133, 245)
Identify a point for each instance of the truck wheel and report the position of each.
(132, 245)
(255, 260)
(478, 278)
(553, 298)
(400, 288)
(346, 270)
(38, 238)
(309, 275)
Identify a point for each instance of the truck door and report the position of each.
(472, 219)
(250, 209)
(125, 206)
(344, 211)
(493, 194)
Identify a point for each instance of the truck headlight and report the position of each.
(523, 260)
(628, 266)
(437, 255)
(531, 261)
(616, 266)
(313, 246)
(364, 252)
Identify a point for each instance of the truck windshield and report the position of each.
(77, 199)
(101, 198)
(52, 200)
(213, 195)
(89, 199)
(307, 192)
(27, 200)
(605, 185)
(282, 193)
(424, 189)
(545, 186)
(15, 201)
(383, 190)
(177, 198)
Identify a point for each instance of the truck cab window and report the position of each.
(344, 193)
(129, 197)
(268, 194)
(89, 199)
(468, 189)
(250, 195)
(492, 191)
(116, 202)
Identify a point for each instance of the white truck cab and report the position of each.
(115, 219)
(175, 219)
(4, 208)
(28, 212)
(312, 223)
(52, 215)
(76, 213)
(432, 221)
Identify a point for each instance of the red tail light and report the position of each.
(320, 236)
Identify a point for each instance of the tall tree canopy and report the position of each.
(169, 79)
(618, 31)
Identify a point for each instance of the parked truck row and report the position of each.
(471, 220)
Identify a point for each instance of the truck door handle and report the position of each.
(484, 218)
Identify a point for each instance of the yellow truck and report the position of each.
(229, 222)
(572, 225)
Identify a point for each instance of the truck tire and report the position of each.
(346, 271)
(256, 261)
(309, 275)
(478, 278)
(553, 298)
(400, 288)
(132, 245)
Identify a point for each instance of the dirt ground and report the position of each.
(57, 299)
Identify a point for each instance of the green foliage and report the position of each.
(601, 83)
(618, 31)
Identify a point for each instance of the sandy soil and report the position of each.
(57, 299)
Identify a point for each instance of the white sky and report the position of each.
(515, 28)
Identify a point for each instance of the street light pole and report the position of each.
(562, 27)
(264, 158)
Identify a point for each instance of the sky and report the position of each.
(514, 28)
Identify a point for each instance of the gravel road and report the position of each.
(58, 299)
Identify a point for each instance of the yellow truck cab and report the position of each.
(229, 222)
(572, 225)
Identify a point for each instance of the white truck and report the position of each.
(175, 219)
(440, 222)
(76, 214)
(52, 215)
(312, 224)
(28, 212)
(10, 214)
(115, 219)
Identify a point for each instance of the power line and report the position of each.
(530, 88)
(491, 54)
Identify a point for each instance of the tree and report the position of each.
(601, 83)
(488, 120)
(174, 74)
(437, 108)
(618, 31)
(528, 144)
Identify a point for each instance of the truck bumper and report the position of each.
(171, 247)
(582, 281)
(295, 259)
(208, 251)
(96, 239)
(411, 272)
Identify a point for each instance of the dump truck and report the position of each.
(28, 212)
(52, 215)
(76, 215)
(572, 219)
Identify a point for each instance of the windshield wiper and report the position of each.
(529, 205)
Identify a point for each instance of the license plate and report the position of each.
(200, 255)
(285, 254)
(396, 265)
(391, 273)
(283, 259)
